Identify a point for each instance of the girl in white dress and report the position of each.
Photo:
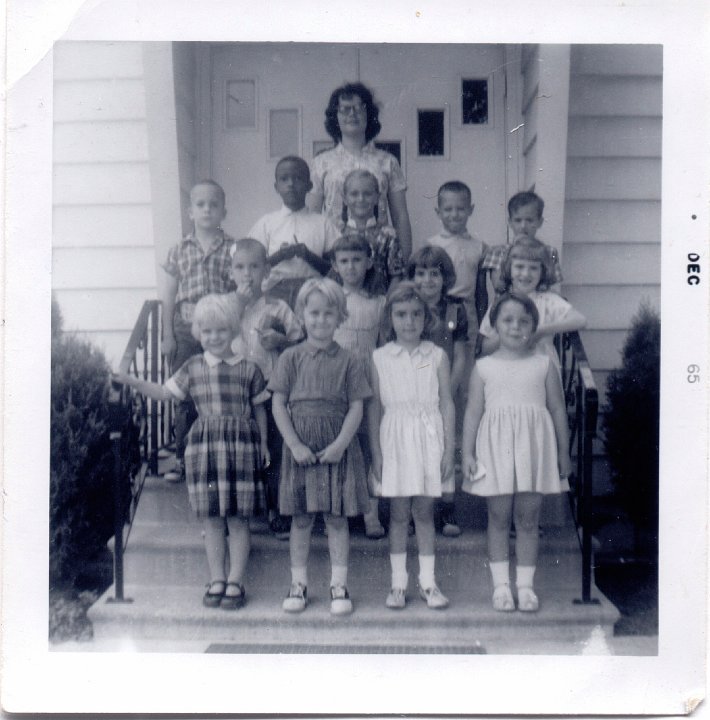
(526, 272)
(515, 444)
(412, 436)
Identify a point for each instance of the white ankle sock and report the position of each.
(524, 575)
(339, 575)
(398, 561)
(299, 575)
(500, 572)
(426, 571)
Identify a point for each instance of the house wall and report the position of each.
(103, 261)
(612, 221)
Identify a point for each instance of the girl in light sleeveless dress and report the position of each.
(412, 436)
(515, 445)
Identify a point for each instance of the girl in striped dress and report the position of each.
(226, 445)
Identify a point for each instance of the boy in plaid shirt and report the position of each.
(200, 264)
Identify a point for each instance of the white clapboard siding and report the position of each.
(612, 263)
(101, 183)
(611, 307)
(103, 260)
(612, 95)
(611, 221)
(113, 267)
(98, 100)
(104, 310)
(101, 142)
(102, 226)
(614, 136)
(613, 178)
(618, 60)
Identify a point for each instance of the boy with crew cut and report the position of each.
(200, 264)
(267, 326)
(454, 208)
(296, 239)
(525, 218)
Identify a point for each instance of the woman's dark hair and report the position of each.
(528, 305)
(432, 256)
(348, 91)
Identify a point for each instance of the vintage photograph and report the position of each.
(434, 177)
(354, 368)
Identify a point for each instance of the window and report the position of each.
(431, 133)
(474, 101)
(240, 104)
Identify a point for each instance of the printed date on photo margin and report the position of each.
(693, 373)
(693, 269)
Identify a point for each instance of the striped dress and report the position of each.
(222, 459)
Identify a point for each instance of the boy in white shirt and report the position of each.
(296, 239)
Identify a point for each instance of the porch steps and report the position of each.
(165, 571)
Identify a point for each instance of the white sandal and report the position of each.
(527, 600)
(503, 599)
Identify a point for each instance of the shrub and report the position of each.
(631, 420)
(81, 461)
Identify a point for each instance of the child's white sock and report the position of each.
(299, 575)
(339, 575)
(524, 575)
(426, 571)
(500, 572)
(398, 561)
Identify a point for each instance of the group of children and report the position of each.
(325, 363)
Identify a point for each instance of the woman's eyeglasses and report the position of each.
(351, 109)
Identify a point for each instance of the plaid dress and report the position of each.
(222, 463)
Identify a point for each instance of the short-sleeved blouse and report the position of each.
(330, 168)
(450, 325)
(332, 376)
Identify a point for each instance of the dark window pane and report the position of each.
(431, 132)
(394, 147)
(474, 99)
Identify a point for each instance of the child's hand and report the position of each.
(271, 339)
(245, 292)
(120, 378)
(565, 465)
(471, 469)
(330, 455)
(168, 346)
(265, 455)
(447, 464)
(303, 455)
(376, 466)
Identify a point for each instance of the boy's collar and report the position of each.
(371, 222)
(466, 235)
(285, 210)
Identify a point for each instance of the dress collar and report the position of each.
(213, 360)
(424, 348)
(331, 350)
(368, 148)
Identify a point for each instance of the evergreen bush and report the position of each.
(81, 460)
(631, 421)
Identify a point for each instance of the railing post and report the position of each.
(119, 511)
(154, 352)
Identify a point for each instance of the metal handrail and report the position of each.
(136, 419)
(582, 402)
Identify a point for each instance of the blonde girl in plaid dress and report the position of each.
(226, 445)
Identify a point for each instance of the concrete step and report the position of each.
(166, 570)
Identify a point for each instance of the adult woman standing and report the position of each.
(352, 120)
